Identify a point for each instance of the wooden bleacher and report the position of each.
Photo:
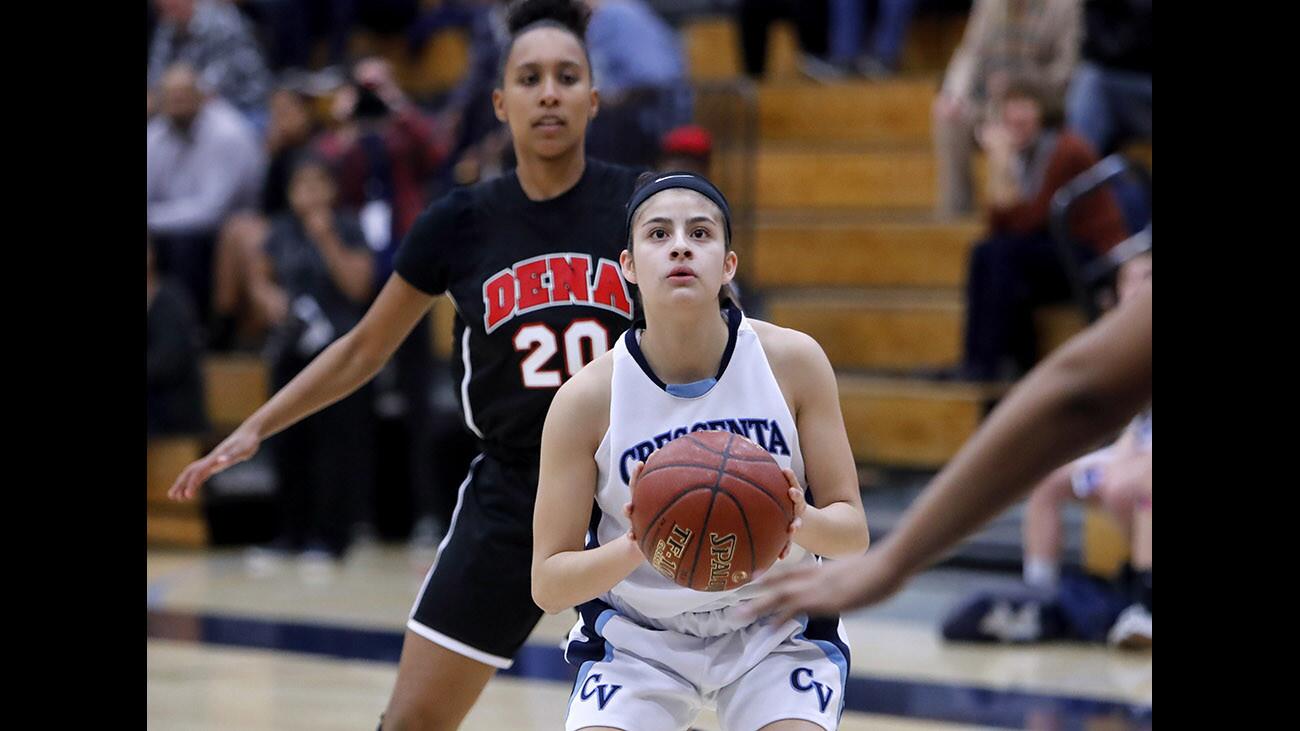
(712, 46)
(891, 330)
(845, 246)
(882, 113)
(171, 523)
(834, 178)
(909, 423)
(234, 386)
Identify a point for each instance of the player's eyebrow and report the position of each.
(563, 63)
(668, 221)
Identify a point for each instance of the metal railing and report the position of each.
(729, 111)
(1084, 278)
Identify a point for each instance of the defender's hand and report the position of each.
(236, 448)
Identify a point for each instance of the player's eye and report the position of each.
(528, 79)
(700, 233)
(658, 233)
(569, 79)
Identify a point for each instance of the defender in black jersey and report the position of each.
(531, 262)
(539, 295)
(537, 290)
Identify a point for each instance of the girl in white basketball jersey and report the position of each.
(652, 654)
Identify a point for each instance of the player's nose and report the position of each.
(550, 92)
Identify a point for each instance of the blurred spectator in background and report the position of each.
(811, 22)
(213, 38)
(639, 68)
(888, 31)
(1115, 478)
(1018, 267)
(291, 130)
(1109, 100)
(289, 133)
(470, 103)
(314, 279)
(633, 48)
(1035, 40)
(687, 148)
(384, 150)
(480, 139)
(174, 387)
(290, 29)
(203, 163)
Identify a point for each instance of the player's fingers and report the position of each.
(177, 490)
(788, 611)
(198, 476)
(182, 489)
(205, 469)
(790, 477)
(764, 605)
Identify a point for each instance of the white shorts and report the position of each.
(641, 678)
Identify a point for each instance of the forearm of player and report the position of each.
(570, 578)
(1082, 392)
(347, 363)
(838, 530)
(340, 369)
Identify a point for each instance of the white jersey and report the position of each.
(644, 416)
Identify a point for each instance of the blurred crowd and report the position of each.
(283, 172)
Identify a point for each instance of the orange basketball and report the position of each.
(711, 510)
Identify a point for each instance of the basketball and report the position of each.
(711, 510)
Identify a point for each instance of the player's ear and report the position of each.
(595, 104)
(499, 104)
(729, 263)
(625, 261)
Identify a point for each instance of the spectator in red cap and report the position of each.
(686, 148)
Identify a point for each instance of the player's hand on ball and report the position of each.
(829, 588)
(800, 505)
(236, 448)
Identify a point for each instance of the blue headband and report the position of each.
(690, 181)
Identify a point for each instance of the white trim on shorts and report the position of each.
(464, 384)
(457, 646)
(431, 634)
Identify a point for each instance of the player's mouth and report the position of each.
(549, 122)
(681, 275)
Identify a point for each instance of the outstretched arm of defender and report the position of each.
(339, 370)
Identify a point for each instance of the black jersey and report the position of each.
(537, 288)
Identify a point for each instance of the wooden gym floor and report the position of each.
(236, 646)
